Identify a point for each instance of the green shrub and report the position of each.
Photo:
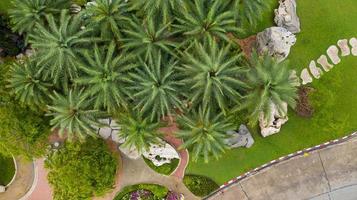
(159, 192)
(79, 171)
(7, 169)
(200, 185)
(165, 169)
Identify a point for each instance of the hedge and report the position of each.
(200, 185)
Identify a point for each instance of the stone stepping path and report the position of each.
(325, 63)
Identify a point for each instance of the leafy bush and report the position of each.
(200, 185)
(81, 171)
(158, 191)
(165, 169)
(7, 169)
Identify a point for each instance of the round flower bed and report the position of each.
(147, 192)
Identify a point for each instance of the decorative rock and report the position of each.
(275, 41)
(105, 132)
(131, 153)
(240, 138)
(286, 16)
(116, 138)
(332, 52)
(324, 63)
(315, 71)
(305, 76)
(345, 49)
(353, 43)
(161, 154)
(2, 189)
(270, 125)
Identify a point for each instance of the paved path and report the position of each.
(23, 181)
(42, 189)
(329, 174)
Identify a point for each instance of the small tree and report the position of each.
(268, 82)
(28, 84)
(73, 115)
(203, 133)
(27, 13)
(139, 132)
(79, 171)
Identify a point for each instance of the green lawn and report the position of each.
(323, 23)
(7, 169)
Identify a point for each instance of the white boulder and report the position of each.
(332, 53)
(240, 138)
(2, 189)
(160, 154)
(345, 49)
(271, 124)
(275, 41)
(315, 71)
(305, 77)
(105, 132)
(353, 43)
(286, 16)
(324, 63)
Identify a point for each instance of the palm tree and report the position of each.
(155, 88)
(204, 133)
(28, 84)
(269, 82)
(250, 11)
(202, 18)
(148, 37)
(106, 16)
(27, 13)
(137, 131)
(151, 8)
(212, 75)
(105, 75)
(73, 115)
(57, 47)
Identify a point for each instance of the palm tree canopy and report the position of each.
(27, 13)
(204, 133)
(202, 18)
(269, 82)
(151, 8)
(105, 76)
(28, 84)
(73, 115)
(148, 37)
(155, 88)
(137, 131)
(212, 75)
(107, 16)
(57, 47)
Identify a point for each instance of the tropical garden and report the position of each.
(140, 62)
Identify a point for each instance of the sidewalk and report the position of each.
(325, 174)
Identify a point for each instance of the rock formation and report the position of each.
(240, 138)
(271, 124)
(286, 16)
(275, 41)
(161, 154)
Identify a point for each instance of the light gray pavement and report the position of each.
(329, 174)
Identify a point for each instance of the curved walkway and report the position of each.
(328, 173)
(23, 181)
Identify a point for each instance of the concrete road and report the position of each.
(327, 174)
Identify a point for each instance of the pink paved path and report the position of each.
(42, 191)
(175, 142)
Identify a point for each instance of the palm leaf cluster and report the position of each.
(204, 133)
(27, 13)
(269, 82)
(140, 61)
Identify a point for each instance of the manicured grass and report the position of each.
(7, 169)
(165, 169)
(324, 22)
